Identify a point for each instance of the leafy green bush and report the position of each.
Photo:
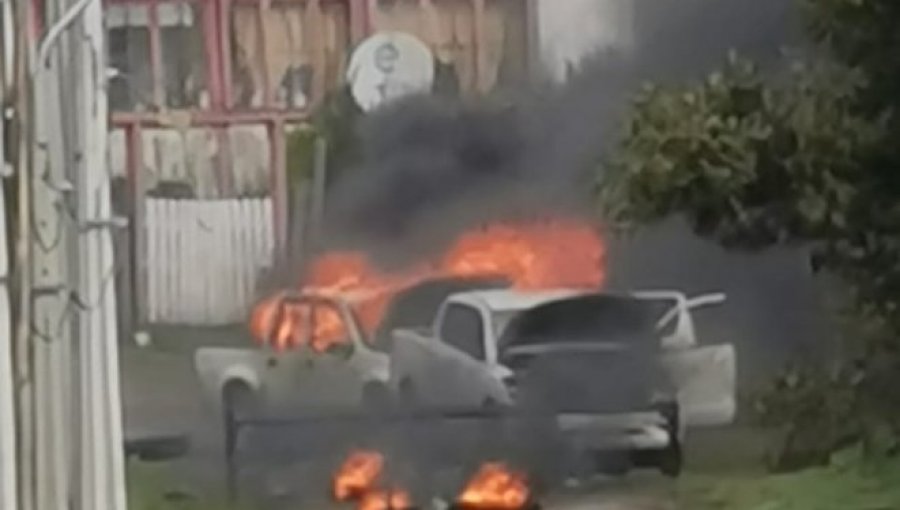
(806, 157)
(335, 121)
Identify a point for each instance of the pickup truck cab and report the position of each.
(262, 381)
(613, 383)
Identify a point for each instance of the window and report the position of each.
(131, 85)
(287, 55)
(466, 61)
(178, 79)
(184, 66)
(462, 328)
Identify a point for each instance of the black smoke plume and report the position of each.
(433, 166)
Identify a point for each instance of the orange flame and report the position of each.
(495, 487)
(358, 475)
(358, 480)
(386, 500)
(534, 256)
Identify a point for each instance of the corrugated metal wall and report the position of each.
(279, 61)
(205, 257)
(211, 167)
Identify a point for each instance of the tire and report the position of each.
(671, 459)
(238, 401)
(668, 460)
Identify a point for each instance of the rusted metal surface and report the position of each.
(212, 162)
(231, 141)
(155, 53)
(279, 187)
(137, 177)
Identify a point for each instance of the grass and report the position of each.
(849, 485)
(152, 487)
(854, 485)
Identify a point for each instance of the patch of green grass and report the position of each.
(153, 487)
(848, 485)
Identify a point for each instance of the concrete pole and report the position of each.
(22, 357)
(102, 462)
(53, 230)
(8, 476)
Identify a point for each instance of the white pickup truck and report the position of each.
(621, 373)
(260, 381)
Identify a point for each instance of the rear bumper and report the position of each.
(620, 432)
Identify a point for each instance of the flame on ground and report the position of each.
(495, 487)
(359, 479)
(532, 256)
(386, 500)
(358, 475)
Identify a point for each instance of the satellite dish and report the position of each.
(388, 66)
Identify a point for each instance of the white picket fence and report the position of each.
(204, 258)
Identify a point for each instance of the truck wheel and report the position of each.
(671, 460)
(238, 401)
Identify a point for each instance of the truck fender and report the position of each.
(215, 370)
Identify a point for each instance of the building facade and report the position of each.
(203, 94)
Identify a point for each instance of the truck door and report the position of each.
(463, 355)
(704, 376)
(328, 378)
(705, 380)
(309, 375)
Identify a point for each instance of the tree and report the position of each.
(807, 156)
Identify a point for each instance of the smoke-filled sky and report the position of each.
(434, 167)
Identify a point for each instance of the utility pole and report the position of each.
(68, 412)
(52, 249)
(8, 473)
(22, 358)
(102, 442)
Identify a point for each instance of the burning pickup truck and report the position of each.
(309, 370)
(325, 376)
(601, 375)
(617, 373)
